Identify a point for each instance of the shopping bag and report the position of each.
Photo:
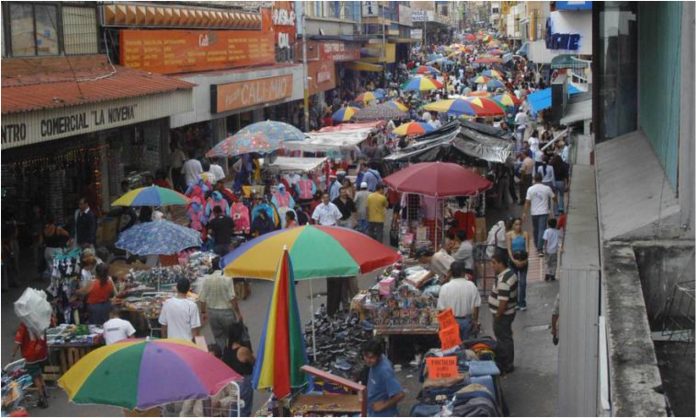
(33, 310)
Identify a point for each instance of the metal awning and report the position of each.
(577, 112)
(365, 66)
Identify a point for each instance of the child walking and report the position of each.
(551, 238)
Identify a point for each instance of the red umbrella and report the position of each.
(438, 179)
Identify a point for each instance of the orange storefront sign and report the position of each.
(183, 51)
(322, 76)
(243, 94)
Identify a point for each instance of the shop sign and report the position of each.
(322, 76)
(283, 18)
(442, 367)
(244, 94)
(422, 15)
(416, 33)
(338, 51)
(182, 51)
(27, 128)
(567, 41)
(405, 15)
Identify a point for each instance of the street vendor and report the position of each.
(384, 391)
(439, 262)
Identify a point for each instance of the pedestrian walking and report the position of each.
(551, 240)
(539, 199)
(326, 213)
(221, 229)
(526, 174)
(376, 209)
(179, 316)
(518, 253)
(219, 304)
(347, 207)
(361, 207)
(240, 358)
(117, 329)
(502, 302)
(34, 349)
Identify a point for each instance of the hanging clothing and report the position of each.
(214, 200)
(240, 216)
(306, 189)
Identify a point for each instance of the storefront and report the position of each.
(65, 140)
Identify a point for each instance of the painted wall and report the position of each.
(659, 81)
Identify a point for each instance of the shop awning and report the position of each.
(577, 112)
(541, 100)
(328, 141)
(365, 66)
(296, 164)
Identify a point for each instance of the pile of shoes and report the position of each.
(338, 342)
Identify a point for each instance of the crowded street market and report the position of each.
(390, 244)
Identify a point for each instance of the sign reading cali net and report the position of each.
(185, 51)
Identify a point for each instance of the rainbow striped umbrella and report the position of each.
(369, 97)
(151, 196)
(426, 70)
(485, 107)
(470, 106)
(507, 99)
(413, 129)
(398, 105)
(493, 74)
(316, 251)
(478, 94)
(481, 79)
(421, 84)
(141, 374)
(344, 114)
(281, 350)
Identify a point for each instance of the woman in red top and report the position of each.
(99, 293)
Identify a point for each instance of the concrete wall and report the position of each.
(633, 371)
(687, 131)
(661, 265)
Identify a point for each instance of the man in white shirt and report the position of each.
(465, 251)
(217, 171)
(326, 213)
(179, 316)
(539, 198)
(361, 205)
(521, 120)
(117, 329)
(463, 297)
(191, 170)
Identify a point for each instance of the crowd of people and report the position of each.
(232, 204)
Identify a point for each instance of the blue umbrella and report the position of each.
(262, 137)
(158, 238)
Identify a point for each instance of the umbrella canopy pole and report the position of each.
(314, 336)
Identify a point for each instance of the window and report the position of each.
(41, 29)
(79, 30)
(22, 29)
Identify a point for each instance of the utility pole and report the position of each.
(305, 69)
(384, 49)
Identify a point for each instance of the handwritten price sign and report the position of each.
(449, 337)
(442, 367)
(446, 319)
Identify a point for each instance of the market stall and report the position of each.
(69, 343)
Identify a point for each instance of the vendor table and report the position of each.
(69, 354)
(426, 337)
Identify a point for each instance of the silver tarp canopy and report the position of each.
(464, 140)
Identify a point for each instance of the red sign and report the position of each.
(339, 51)
(449, 337)
(442, 367)
(182, 51)
(243, 94)
(322, 76)
(446, 319)
(283, 16)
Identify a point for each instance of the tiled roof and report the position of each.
(30, 84)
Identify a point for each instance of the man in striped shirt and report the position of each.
(502, 302)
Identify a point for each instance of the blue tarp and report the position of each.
(541, 100)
